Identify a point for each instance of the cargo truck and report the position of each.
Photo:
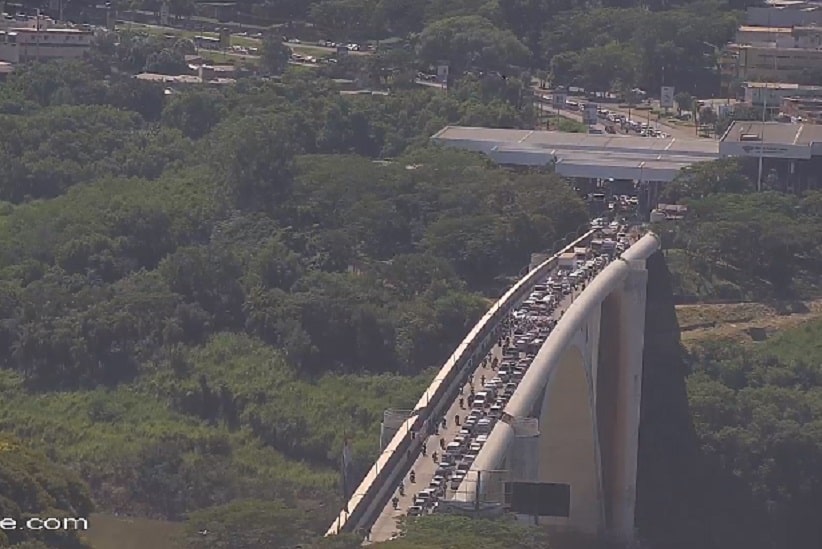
(567, 261)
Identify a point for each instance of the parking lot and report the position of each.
(438, 471)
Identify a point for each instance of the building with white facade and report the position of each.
(40, 39)
(771, 94)
(785, 13)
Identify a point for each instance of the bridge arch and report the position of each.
(567, 447)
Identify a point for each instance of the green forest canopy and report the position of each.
(191, 287)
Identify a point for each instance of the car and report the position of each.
(484, 425)
(453, 448)
(428, 494)
(415, 511)
(444, 466)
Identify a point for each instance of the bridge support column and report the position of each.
(628, 397)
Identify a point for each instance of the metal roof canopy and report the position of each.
(584, 155)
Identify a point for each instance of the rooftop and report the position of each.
(52, 30)
(776, 85)
(584, 155)
(771, 46)
(791, 4)
(548, 140)
(775, 132)
(751, 28)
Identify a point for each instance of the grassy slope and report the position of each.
(100, 432)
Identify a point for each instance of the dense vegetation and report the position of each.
(599, 45)
(31, 486)
(737, 244)
(202, 295)
(758, 414)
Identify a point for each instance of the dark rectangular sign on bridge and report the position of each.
(540, 498)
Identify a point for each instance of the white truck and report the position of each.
(567, 261)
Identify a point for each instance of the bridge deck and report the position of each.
(424, 467)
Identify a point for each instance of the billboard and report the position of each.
(540, 498)
(666, 97)
(589, 115)
(559, 99)
(767, 150)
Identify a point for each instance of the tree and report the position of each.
(707, 116)
(275, 54)
(33, 486)
(166, 61)
(256, 159)
(471, 42)
(194, 113)
(351, 19)
(707, 178)
(684, 102)
(599, 68)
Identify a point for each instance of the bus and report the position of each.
(207, 42)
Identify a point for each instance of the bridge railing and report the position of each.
(531, 386)
(388, 470)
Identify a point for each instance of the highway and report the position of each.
(386, 525)
(637, 115)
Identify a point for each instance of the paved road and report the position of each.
(133, 25)
(573, 115)
(642, 116)
(424, 467)
(639, 116)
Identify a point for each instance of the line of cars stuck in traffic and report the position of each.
(525, 333)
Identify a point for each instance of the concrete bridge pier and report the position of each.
(624, 393)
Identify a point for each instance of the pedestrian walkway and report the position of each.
(386, 525)
(424, 467)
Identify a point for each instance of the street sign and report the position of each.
(666, 97)
(589, 115)
(559, 99)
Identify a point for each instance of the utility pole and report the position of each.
(762, 139)
(695, 114)
(477, 495)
